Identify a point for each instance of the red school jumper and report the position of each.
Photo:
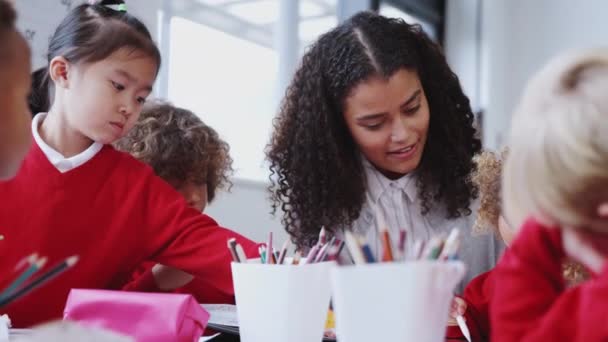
(477, 296)
(204, 290)
(531, 301)
(114, 213)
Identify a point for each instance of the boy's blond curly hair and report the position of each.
(487, 178)
(179, 147)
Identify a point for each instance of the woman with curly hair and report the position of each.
(374, 117)
(190, 156)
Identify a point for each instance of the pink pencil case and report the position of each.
(146, 317)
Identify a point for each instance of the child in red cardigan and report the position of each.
(76, 195)
(15, 120)
(193, 159)
(556, 175)
(474, 302)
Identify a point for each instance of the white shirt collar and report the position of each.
(61, 163)
(378, 184)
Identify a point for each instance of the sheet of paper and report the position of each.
(208, 338)
(5, 324)
(224, 314)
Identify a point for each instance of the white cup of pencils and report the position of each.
(280, 298)
(394, 301)
(404, 296)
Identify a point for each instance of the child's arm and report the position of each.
(182, 237)
(159, 278)
(473, 305)
(169, 278)
(530, 302)
(142, 280)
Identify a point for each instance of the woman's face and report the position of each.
(389, 121)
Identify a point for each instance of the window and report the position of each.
(223, 67)
(391, 11)
(229, 82)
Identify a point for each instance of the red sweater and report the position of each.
(114, 213)
(531, 302)
(204, 290)
(477, 296)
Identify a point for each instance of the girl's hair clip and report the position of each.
(118, 8)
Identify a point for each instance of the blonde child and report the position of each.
(193, 159)
(474, 302)
(556, 190)
(76, 195)
(15, 120)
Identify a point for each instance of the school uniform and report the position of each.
(400, 203)
(203, 290)
(531, 300)
(476, 303)
(109, 209)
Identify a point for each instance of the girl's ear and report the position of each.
(58, 71)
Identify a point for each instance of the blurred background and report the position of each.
(229, 61)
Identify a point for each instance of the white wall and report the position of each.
(461, 44)
(517, 38)
(246, 209)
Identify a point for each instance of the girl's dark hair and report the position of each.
(39, 98)
(90, 33)
(317, 176)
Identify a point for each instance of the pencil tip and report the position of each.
(72, 260)
(41, 262)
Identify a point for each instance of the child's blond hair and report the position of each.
(487, 177)
(557, 167)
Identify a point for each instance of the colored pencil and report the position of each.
(41, 280)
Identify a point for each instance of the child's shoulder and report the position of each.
(534, 231)
(127, 165)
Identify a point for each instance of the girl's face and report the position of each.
(15, 119)
(104, 99)
(389, 121)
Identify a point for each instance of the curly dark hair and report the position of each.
(179, 147)
(317, 175)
